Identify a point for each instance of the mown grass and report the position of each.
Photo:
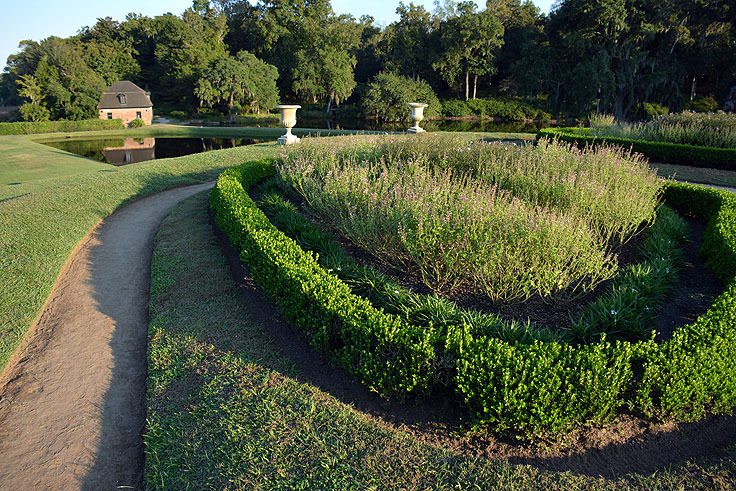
(697, 175)
(226, 409)
(42, 220)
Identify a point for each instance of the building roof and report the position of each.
(132, 96)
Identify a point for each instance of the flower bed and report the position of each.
(508, 384)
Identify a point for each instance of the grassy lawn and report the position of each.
(42, 220)
(227, 410)
(698, 175)
(226, 407)
(25, 160)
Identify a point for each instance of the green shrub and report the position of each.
(649, 110)
(137, 123)
(178, 114)
(533, 386)
(34, 112)
(500, 108)
(385, 353)
(625, 311)
(704, 104)
(26, 128)
(388, 95)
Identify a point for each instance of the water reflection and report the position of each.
(338, 123)
(124, 151)
(132, 151)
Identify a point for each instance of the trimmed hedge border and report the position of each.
(542, 387)
(675, 153)
(27, 128)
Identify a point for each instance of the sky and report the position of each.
(39, 19)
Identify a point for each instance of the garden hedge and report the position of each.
(675, 153)
(27, 128)
(543, 386)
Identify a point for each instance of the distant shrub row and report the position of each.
(537, 386)
(675, 153)
(508, 109)
(26, 128)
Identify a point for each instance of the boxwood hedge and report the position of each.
(675, 153)
(542, 386)
(26, 128)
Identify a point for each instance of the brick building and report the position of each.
(127, 101)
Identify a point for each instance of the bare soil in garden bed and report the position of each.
(628, 444)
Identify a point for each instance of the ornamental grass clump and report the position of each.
(506, 221)
(716, 130)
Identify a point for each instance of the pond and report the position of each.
(124, 151)
(473, 125)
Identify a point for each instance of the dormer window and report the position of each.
(121, 99)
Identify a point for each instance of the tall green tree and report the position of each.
(184, 48)
(108, 50)
(470, 42)
(408, 43)
(241, 80)
(324, 68)
(61, 81)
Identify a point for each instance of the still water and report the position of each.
(124, 151)
(374, 125)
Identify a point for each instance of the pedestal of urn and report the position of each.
(288, 119)
(417, 114)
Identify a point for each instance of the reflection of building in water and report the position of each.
(133, 150)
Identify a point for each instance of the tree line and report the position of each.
(613, 55)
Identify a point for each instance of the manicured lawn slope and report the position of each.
(226, 409)
(25, 160)
(41, 221)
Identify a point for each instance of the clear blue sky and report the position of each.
(39, 19)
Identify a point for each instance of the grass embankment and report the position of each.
(42, 220)
(227, 410)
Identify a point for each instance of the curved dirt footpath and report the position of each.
(72, 400)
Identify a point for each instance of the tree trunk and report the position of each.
(692, 89)
(475, 85)
(329, 103)
(467, 84)
(230, 105)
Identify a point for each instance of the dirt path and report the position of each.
(72, 400)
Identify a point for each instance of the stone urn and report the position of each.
(288, 119)
(417, 114)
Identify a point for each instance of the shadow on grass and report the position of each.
(119, 275)
(646, 449)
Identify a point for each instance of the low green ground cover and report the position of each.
(537, 386)
(228, 410)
